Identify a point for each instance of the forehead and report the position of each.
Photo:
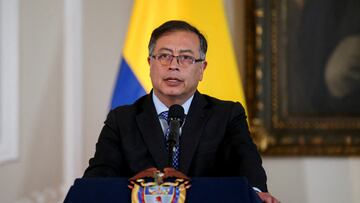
(178, 40)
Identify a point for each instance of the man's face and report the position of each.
(176, 82)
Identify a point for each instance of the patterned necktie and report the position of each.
(175, 157)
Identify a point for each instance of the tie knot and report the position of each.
(164, 115)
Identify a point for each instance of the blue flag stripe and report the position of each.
(127, 88)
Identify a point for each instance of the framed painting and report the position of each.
(303, 76)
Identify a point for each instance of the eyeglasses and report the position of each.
(185, 60)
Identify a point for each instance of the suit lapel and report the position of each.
(192, 130)
(150, 128)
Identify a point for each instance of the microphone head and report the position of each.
(176, 112)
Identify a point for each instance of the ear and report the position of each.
(204, 64)
(148, 59)
(203, 67)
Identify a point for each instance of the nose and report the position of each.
(176, 59)
(174, 64)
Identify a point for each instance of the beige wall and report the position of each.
(37, 175)
(105, 28)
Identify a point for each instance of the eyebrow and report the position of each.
(186, 51)
(181, 51)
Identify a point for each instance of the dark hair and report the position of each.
(177, 25)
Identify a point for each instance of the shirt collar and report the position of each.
(160, 107)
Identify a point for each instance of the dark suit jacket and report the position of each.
(215, 141)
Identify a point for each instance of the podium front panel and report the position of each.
(104, 190)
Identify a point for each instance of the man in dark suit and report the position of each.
(214, 138)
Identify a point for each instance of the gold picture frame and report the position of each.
(290, 110)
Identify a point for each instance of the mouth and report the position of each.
(173, 81)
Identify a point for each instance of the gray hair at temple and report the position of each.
(177, 25)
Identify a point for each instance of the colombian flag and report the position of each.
(221, 77)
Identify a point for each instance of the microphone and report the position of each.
(175, 120)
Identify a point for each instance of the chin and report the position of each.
(172, 94)
(172, 91)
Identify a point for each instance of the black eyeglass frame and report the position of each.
(180, 59)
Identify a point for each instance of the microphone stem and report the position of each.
(171, 153)
(173, 139)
